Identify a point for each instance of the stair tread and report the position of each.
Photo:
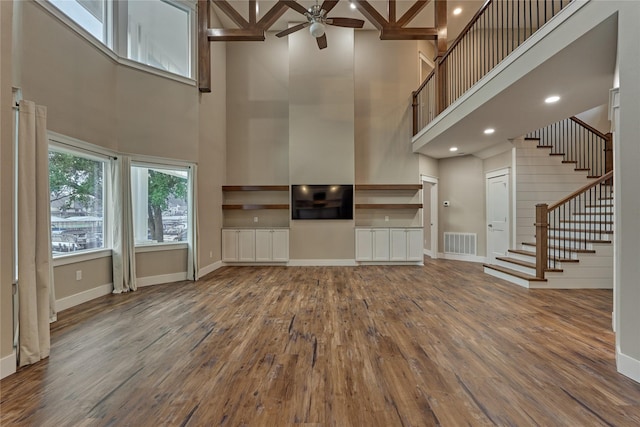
(582, 169)
(526, 264)
(604, 205)
(573, 239)
(514, 273)
(579, 230)
(584, 221)
(570, 161)
(578, 251)
(533, 254)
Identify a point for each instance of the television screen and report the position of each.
(322, 202)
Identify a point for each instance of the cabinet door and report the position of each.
(246, 245)
(364, 244)
(229, 245)
(280, 245)
(263, 245)
(398, 244)
(415, 250)
(380, 244)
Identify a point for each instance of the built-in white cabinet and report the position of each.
(405, 244)
(255, 245)
(238, 245)
(384, 244)
(272, 245)
(372, 244)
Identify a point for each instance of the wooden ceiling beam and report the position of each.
(233, 14)
(413, 11)
(204, 48)
(391, 6)
(396, 33)
(371, 14)
(235, 34)
(272, 16)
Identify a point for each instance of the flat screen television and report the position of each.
(322, 201)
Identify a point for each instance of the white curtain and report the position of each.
(123, 249)
(192, 255)
(36, 299)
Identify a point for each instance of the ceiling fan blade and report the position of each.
(322, 41)
(346, 22)
(295, 6)
(328, 5)
(292, 29)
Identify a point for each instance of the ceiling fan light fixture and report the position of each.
(317, 29)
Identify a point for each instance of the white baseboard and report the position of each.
(8, 365)
(628, 366)
(160, 279)
(428, 252)
(209, 268)
(322, 263)
(82, 297)
(469, 258)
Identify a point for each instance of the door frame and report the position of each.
(495, 174)
(433, 182)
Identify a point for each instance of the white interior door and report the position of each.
(430, 215)
(497, 215)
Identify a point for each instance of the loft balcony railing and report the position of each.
(499, 27)
(579, 143)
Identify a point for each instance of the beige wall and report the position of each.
(428, 166)
(94, 273)
(91, 97)
(6, 181)
(462, 182)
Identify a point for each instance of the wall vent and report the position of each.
(460, 243)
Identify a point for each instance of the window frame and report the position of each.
(117, 50)
(64, 144)
(153, 163)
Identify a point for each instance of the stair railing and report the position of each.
(494, 32)
(573, 223)
(579, 143)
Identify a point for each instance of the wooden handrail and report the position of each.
(424, 83)
(466, 29)
(581, 190)
(589, 127)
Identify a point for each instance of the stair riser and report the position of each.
(526, 258)
(556, 253)
(586, 226)
(607, 210)
(586, 234)
(591, 217)
(570, 244)
(516, 280)
(520, 268)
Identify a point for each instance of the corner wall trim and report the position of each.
(322, 263)
(628, 366)
(468, 258)
(209, 268)
(8, 365)
(84, 296)
(161, 279)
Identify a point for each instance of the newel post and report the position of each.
(608, 153)
(542, 233)
(414, 105)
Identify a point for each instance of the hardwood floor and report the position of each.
(386, 346)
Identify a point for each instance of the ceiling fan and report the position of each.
(317, 19)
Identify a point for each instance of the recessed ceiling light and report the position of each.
(489, 131)
(552, 99)
(457, 11)
(352, 5)
(452, 149)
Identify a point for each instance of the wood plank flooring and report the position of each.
(442, 344)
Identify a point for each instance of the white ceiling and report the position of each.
(342, 9)
(581, 73)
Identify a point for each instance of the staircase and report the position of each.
(571, 247)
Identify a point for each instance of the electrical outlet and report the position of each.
(78, 274)
(386, 218)
(210, 254)
(255, 219)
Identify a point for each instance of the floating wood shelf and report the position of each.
(255, 188)
(397, 187)
(249, 207)
(389, 206)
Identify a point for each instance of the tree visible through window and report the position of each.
(160, 204)
(77, 204)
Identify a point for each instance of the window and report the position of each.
(159, 35)
(88, 14)
(76, 187)
(160, 199)
(156, 33)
